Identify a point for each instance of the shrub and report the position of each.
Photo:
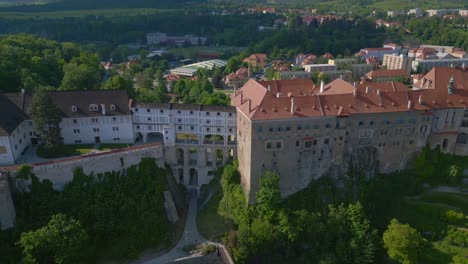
(458, 237)
(453, 217)
(207, 249)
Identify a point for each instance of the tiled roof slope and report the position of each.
(16, 107)
(257, 103)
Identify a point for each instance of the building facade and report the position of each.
(303, 131)
(397, 62)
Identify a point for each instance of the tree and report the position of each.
(47, 118)
(79, 77)
(116, 82)
(402, 242)
(268, 195)
(62, 240)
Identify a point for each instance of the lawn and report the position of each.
(210, 224)
(104, 147)
(428, 214)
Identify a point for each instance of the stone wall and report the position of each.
(60, 172)
(7, 209)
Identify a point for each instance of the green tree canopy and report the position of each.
(47, 118)
(403, 243)
(62, 240)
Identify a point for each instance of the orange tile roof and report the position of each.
(258, 103)
(386, 73)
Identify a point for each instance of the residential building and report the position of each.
(162, 38)
(463, 12)
(387, 75)
(397, 62)
(344, 64)
(441, 12)
(417, 12)
(359, 70)
(101, 116)
(427, 65)
(378, 52)
(304, 131)
(339, 74)
(288, 75)
(237, 79)
(258, 60)
(319, 67)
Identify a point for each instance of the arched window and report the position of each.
(93, 107)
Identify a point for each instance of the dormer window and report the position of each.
(74, 108)
(93, 107)
(112, 107)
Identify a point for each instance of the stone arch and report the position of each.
(462, 138)
(154, 137)
(231, 154)
(219, 157)
(180, 172)
(193, 156)
(180, 156)
(193, 177)
(209, 157)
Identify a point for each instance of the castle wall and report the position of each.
(7, 209)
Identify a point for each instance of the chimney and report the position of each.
(103, 108)
(367, 89)
(322, 87)
(420, 100)
(277, 95)
(355, 92)
(410, 104)
(269, 88)
(378, 92)
(293, 105)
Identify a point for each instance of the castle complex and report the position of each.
(304, 131)
(300, 129)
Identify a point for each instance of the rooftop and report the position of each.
(257, 102)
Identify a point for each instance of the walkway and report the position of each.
(190, 236)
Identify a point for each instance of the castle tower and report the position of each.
(7, 209)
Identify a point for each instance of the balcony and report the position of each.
(213, 142)
(187, 141)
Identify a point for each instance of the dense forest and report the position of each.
(110, 215)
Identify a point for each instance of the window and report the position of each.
(326, 141)
(361, 123)
(112, 107)
(178, 111)
(148, 110)
(315, 142)
(464, 123)
(327, 126)
(136, 109)
(93, 107)
(115, 128)
(207, 113)
(271, 129)
(274, 144)
(94, 120)
(75, 121)
(114, 119)
(74, 108)
(96, 130)
(179, 120)
(161, 111)
(180, 127)
(445, 144)
(308, 144)
(76, 131)
(218, 113)
(207, 129)
(218, 130)
(20, 141)
(371, 123)
(207, 121)
(299, 127)
(149, 118)
(230, 114)
(298, 143)
(192, 128)
(191, 112)
(138, 127)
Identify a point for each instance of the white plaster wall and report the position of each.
(112, 129)
(7, 157)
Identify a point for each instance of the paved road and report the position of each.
(190, 237)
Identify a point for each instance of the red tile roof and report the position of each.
(386, 73)
(258, 102)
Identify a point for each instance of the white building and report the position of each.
(427, 65)
(463, 12)
(191, 69)
(417, 12)
(101, 116)
(185, 124)
(319, 67)
(397, 62)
